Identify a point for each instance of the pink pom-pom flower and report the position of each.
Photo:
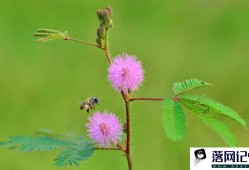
(125, 73)
(104, 128)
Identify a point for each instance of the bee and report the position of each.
(89, 103)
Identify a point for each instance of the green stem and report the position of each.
(106, 47)
(107, 149)
(145, 98)
(81, 41)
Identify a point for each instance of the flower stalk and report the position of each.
(81, 41)
(145, 98)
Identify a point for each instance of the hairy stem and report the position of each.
(81, 41)
(145, 98)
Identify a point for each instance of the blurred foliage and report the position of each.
(73, 150)
(42, 85)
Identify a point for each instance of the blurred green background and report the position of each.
(42, 84)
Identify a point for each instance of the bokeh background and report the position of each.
(42, 84)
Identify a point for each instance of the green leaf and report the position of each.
(174, 119)
(194, 106)
(74, 150)
(213, 105)
(188, 85)
(72, 155)
(219, 128)
(39, 143)
(48, 34)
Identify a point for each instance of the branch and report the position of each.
(81, 41)
(145, 98)
(107, 149)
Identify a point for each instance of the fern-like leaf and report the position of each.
(219, 128)
(194, 106)
(73, 150)
(188, 85)
(213, 105)
(39, 143)
(48, 34)
(72, 155)
(174, 119)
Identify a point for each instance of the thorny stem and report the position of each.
(81, 41)
(145, 98)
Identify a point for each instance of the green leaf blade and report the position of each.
(72, 155)
(49, 34)
(193, 107)
(219, 128)
(202, 101)
(73, 150)
(38, 143)
(174, 120)
(188, 85)
(222, 109)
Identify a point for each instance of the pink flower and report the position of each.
(104, 129)
(125, 73)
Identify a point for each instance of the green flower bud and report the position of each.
(109, 9)
(106, 15)
(100, 15)
(101, 32)
(98, 41)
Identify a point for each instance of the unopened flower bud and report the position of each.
(109, 9)
(101, 32)
(106, 15)
(98, 41)
(100, 15)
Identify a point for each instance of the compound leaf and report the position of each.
(73, 150)
(39, 143)
(48, 34)
(72, 155)
(174, 119)
(188, 85)
(219, 128)
(210, 104)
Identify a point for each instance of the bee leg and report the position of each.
(87, 110)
